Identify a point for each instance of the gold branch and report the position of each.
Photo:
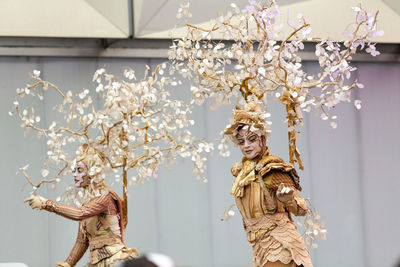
(48, 83)
(36, 186)
(202, 29)
(280, 52)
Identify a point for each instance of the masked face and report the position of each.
(250, 143)
(80, 173)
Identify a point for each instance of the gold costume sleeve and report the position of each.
(297, 205)
(80, 247)
(94, 207)
(274, 178)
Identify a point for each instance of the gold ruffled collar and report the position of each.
(247, 174)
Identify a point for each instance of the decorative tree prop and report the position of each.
(138, 127)
(254, 64)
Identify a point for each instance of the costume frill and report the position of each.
(267, 221)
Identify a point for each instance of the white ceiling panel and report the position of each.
(327, 18)
(137, 11)
(160, 15)
(115, 11)
(156, 18)
(63, 18)
(393, 4)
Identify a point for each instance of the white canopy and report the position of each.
(155, 18)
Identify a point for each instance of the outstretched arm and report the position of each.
(80, 247)
(292, 200)
(286, 192)
(95, 206)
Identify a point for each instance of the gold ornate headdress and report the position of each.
(252, 116)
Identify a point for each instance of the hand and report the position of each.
(63, 264)
(36, 202)
(284, 194)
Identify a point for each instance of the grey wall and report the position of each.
(351, 177)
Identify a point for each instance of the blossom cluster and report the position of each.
(250, 63)
(138, 127)
(313, 228)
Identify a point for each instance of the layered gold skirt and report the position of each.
(276, 241)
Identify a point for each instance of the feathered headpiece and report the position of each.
(251, 116)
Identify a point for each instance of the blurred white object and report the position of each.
(160, 260)
(228, 214)
(12, 264)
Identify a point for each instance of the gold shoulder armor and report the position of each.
(237, 167)
(282, 172)
(270, 159)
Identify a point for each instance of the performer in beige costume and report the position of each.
(266, 194)
(100, 219)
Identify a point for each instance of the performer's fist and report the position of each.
(63, 264)
(35, 202)
(284, 194)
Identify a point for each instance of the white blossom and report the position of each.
(253, 65)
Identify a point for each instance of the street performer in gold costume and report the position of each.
(266, 194)
(101, 226)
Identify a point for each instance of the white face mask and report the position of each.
(250, 143)
(80, 173)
